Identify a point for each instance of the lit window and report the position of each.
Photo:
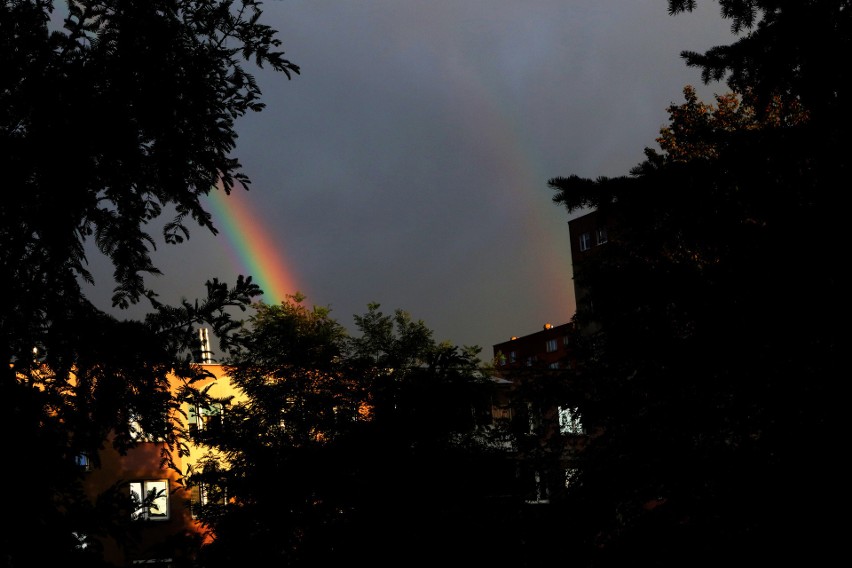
(554, 365)
(150, 499)
(83, 462)
(569, 421)
(601, 235)
(571, 474)
(139, 434)
(513, 356)
(82, 539)
(585, 241)
(551, 345)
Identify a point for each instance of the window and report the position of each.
(83, 462)
(601, 235)
(569, 421)
(203, 494)
(551, 345)
(140, 434)
(136, 431)
(533, 418)
(571, 474)
(501, 412)
(150, 499)
(513, 356)
(585, 241)
(554, 365)
(537, 492)
(205, 418)
(199, 497)
(82, 539)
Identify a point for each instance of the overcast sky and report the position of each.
(408, 163)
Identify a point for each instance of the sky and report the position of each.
(407, 164)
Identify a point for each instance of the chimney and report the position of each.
(204, 343)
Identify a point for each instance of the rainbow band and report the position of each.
(253, 250)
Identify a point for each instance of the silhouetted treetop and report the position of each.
(125, 109)
(711, 370)
(790, 50)
(113, 114)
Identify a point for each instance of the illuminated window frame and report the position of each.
(569, 421)
(151, 497)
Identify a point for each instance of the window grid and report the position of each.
(151, 498)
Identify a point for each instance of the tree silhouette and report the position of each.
(113, 112)
(713, 375)
(339, 447)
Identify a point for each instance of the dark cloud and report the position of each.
(408, 163)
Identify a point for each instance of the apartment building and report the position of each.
(163, 531)
(545, 424)
(540, 404)
(549, 347)
(530, 397)
(588, 233)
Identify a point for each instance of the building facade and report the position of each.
(540, 403)
(163, 530)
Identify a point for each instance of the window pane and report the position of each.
(569, 421)
(136, 495)
(159, 492)
(151, 499)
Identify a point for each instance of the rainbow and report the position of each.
(252, 248)
(506, 139)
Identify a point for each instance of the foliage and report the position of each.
(697, 130)
(786, 51)
(717, 396)
(338, 446)
(111, 113)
